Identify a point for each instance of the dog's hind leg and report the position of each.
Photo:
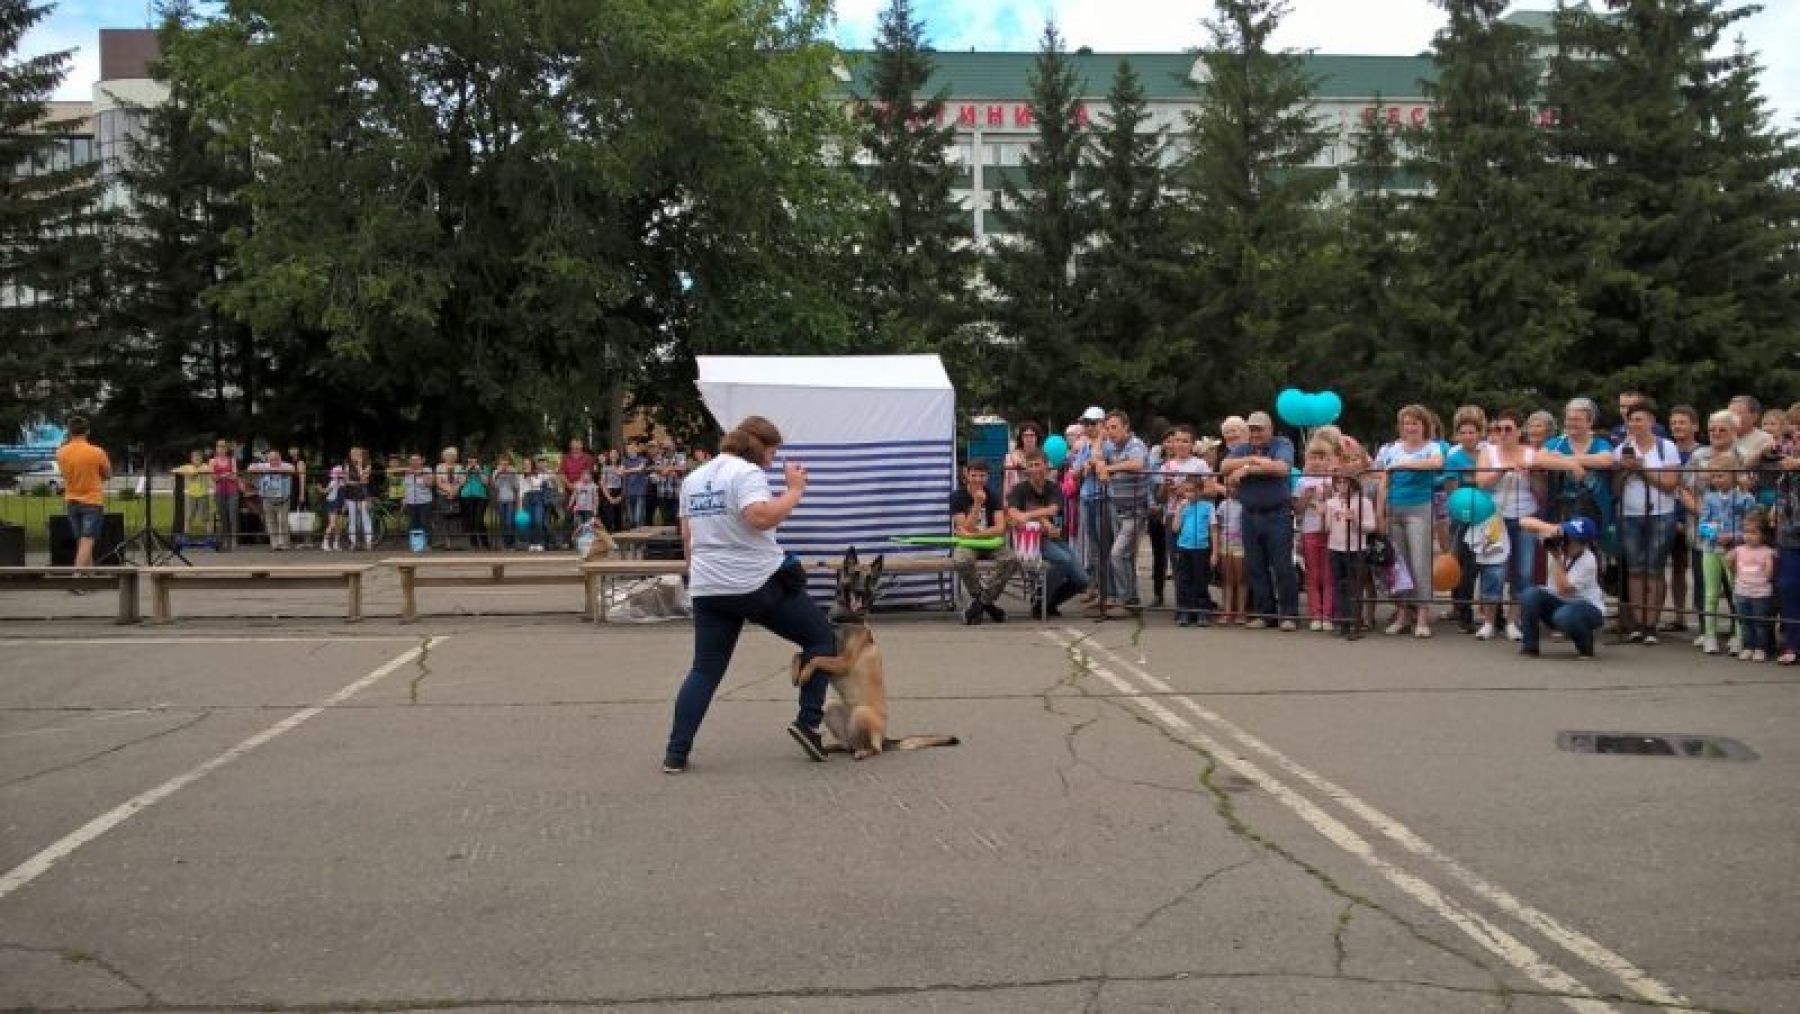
(866, 731)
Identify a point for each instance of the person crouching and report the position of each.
(1572, 601)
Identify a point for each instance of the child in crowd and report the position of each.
(1228, 556)
(1490, 548)
(334, 508)
(418, 486)
(396, 480)
(1349, 518)
(1191, 522)
(584, 498)
(1722, 512)
(1751, 565)
(1322, 455)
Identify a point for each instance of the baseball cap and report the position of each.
(1581, 528)
(1094, 413)
(1259, 420)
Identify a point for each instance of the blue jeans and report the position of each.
(1269, 557)
(1574, 617)
(1787, 586)
(1063, 578)
(84, 520)
(1759, 631)
(637, 510)
(1097, 530)
(534, 506)
(718, 619)
(1523, 558)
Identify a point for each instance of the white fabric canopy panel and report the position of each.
(877, 435)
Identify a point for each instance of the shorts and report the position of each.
(1646, 540)
(84, 520)
(1490, 581)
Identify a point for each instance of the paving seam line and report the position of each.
(1493, 938)
(39, 864)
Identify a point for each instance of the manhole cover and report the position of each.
(1656, 744)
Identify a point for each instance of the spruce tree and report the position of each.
(1680, 166)
(177, 371)
(1045, 223)
(1250, 221)
(918, 260)
(1127, 352)
(51, 263)
(1504, 261)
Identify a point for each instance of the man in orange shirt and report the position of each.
(85, 469)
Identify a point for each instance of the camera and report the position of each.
(1628, 452)
(1554, 542)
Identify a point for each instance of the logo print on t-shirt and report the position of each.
(706, 502)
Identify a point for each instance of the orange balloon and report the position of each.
(1445, 572)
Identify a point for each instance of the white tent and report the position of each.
(877, 435)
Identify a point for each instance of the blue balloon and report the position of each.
(1291, 406)
(1329, 406)
(1056, 449)
(522, 518)
(1294, 476)
(1471, 505)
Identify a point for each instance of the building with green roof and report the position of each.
(988, 96)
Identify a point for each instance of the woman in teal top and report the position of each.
(1590, 494)
(1411, 465)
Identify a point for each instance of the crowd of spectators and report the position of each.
(1676, 522)
(458, 498)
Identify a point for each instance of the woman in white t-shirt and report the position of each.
(737, 572)
(1649, 471)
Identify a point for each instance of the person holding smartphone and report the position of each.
(738, 573)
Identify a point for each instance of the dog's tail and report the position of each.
(918, 742)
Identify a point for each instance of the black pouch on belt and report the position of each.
(792, 575)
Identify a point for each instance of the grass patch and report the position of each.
(34, 512)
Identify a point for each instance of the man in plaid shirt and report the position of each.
(670, 468)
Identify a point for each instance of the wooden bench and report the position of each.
(598, 575)
(465, 571)
(239, 578)
(124, 579)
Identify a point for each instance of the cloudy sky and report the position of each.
(1329, 26)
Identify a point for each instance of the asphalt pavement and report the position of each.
(263, 808)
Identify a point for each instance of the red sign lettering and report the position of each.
(965, 116)
(1081, 115)
(1547, 117)
(1022, 116)
(1417, 116)
(996, 116)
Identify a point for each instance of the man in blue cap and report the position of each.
(1572, 602)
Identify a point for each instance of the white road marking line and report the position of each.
(37, 865)
(1501, 943)
(103, 641)
(1572, 940)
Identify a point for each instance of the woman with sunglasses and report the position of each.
(1031, 438)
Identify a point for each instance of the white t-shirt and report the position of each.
(1584, 580)
(1640, 497)
(1512, 491)
(1312, 520)
(728, 556)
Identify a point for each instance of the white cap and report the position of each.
(1094, 413)
(1260, 420)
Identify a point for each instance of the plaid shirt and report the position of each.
(668, 487)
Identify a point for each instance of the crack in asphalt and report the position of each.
(79, 956)
(1106, 955)
(278, 1006)
(423, 663)
(67, 765)
(1339, 946)
(1226, 808)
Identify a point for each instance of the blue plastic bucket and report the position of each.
(418, 539)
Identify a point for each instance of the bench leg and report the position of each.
(409, 605)
(159, 600)
(605, 599)
(590, 613)
(128, 598)
(355, 583)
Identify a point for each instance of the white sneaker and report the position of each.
(537, 549)
(1395, 627)
(1513, 633)
(1316, 626)
(1486, 633)
(1734, 645)
(1744, 656)
(1709, 644)
(1758, 656)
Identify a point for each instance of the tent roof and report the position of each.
(885, 373)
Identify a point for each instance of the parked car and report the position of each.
(44, 475)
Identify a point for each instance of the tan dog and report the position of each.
(858, 718)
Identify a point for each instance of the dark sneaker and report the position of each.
(809, 740)
(994, 612)
(1529, 652)
(674, 765)
(972, 612)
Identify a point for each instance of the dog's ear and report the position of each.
(875, 568)
(850, 558)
